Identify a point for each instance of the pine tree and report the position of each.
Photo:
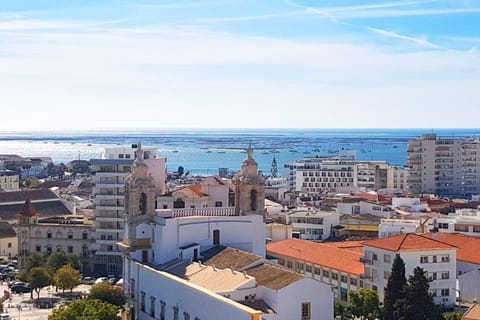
(419, 303)
(395, 292)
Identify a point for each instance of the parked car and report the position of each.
(112, 281)
(101, 279)
(87, 280)
(21, 288)
(14, 283)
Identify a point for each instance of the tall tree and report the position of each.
(59, 259)
(395, 292)
(39, 277)
(419, 303)
(67, 277)
(84, 310)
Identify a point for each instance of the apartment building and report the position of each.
(447, 167)
(327, 174)
(437, 258)
(109, 173)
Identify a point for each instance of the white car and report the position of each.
(101, 279)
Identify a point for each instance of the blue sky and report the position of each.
(239, 64)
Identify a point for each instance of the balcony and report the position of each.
(109, 208)
(105, 230)
(99, 241)
(110, 219)
(366, 277)
(109, 196)
(108, 253)
(366, 260)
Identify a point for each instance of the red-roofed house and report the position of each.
(436, 257)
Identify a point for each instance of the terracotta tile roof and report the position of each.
(367, 196)
(273, 277)
(344, 258)
(468, 248)
(408, 242)
(192, 190)
(226, 257)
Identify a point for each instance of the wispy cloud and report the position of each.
(420, 41)
(255, 17)
(183, 5)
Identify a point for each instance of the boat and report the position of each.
(175, 151)
(209, 151)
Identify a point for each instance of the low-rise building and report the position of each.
(70, 234)
(393, 227)
(465, 221)
(313, 224)
(8, 240)
(335, 263)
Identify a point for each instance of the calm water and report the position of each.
(203, 151)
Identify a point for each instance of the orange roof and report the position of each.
(468, 248)
(367, 196)
(345, 259)
(408, 242)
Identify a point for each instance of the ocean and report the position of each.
(203, 151)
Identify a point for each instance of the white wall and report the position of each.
(469, 285)
(215, 191)
(198, 302)
(241, 232)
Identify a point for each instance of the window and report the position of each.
(445, 292)
(326, 274)
(424, 259)
(306, 311)
(9, 245)
(289, 264)
(152, 306)
(434, 259)
(132, 288)
(309, 269)
(49, 249)
(386, 275)
(317, 271)
(162, 310)
(343, 278)
(49, 234)
(445, 258)
(218, 204)
(374, 257)
(84, 236)
(445, 275)
(281, 261)
(175, 313)
(38, 248)
(142, 301)
(334, 276)
(70, 249)
(70, 236)
(387, 258)
(353, 281)
(432, 276)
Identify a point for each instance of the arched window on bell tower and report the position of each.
(142, 206)
(253, 200)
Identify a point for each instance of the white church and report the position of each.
(209, 262)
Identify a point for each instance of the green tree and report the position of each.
(106, 292)
(59, 259)
(85, 310)
(31, 182)
(38, 278)
(419, 303)
(364, 303)
(340, 310)
(35, 260)
(67, 277)
(395, 291)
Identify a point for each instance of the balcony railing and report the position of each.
(190, 212)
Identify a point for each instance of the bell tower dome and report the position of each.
(249, 187)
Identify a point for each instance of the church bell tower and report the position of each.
(249, 187)
(139, 198)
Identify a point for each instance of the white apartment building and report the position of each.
(411, 205)
(108, 194)
(397, 178)
(365, 207)
(447, 167)
(313, 224)
(325, 174)
(437, 258)
(9, 180)
(464, 221)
